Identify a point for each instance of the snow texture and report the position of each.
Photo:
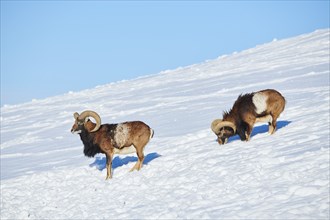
(186, 174)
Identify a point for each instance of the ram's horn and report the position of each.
(92, 114)
(217, 124)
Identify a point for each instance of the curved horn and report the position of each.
(92, 114)
(217, 124)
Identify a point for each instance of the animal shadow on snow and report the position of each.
(261, 129)
(100, 162)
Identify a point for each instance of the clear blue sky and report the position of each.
(52, 47)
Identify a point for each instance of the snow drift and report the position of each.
(186, 174)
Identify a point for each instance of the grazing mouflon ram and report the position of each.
(261, 106)
(110, 139)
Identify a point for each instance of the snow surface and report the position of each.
(186, 174)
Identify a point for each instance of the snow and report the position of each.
(186, 174)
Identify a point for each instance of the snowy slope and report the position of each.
(186, 174)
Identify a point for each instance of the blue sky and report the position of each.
(51, 47)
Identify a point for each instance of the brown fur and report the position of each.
(109, 140)
(243, 114)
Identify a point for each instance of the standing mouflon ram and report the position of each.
(110, 139)
(261, 106)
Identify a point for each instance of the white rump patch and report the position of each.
(121, 134)
(260, 102)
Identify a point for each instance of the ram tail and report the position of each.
(151, 133)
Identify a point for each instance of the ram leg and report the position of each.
(109, 165)
(248, 132)
(138, 165)
(272, 125)
(270, 120)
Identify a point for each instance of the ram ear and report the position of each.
(76, 115)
